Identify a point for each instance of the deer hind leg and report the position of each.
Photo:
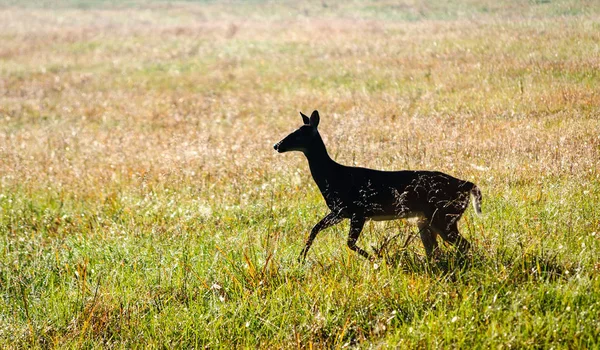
(450, 234)
(328, 221)
(428, 237)
(356, 226)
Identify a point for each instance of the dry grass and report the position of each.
(148, 127)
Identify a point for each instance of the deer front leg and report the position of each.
(328, 221)
(356, 226)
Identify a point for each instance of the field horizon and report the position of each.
(142, 203)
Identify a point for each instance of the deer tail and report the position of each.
(476, 194)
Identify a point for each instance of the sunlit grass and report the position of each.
(141, 202)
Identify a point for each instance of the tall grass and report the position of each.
(141, 203)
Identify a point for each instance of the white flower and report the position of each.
(204, 210)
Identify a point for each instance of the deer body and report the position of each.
(438, 200)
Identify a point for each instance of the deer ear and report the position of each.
(314, 119)
(305, 118)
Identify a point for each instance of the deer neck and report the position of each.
(321, 165)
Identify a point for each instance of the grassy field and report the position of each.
(142, 203)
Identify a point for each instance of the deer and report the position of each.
(436, 200)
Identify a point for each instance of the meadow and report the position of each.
(142, 203)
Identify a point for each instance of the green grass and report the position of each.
(128, 272)
(142, 204)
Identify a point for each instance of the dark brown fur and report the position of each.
(361, 194)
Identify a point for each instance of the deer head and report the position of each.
(302, 139)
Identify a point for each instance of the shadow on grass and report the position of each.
(517, 265)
